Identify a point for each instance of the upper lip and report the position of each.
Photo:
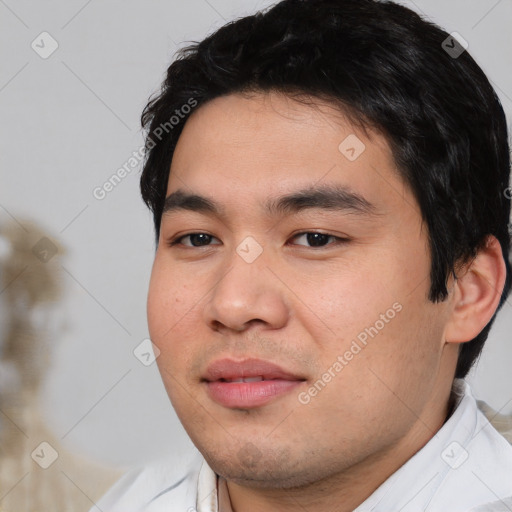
(231, 369)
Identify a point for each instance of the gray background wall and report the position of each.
(69, 122)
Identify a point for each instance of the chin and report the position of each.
(264, 469)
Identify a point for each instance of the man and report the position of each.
(328, 183)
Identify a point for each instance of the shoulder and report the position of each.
(501, 422)
(478, 459)
(143, 487)
(503, 505)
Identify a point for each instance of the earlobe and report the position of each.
(476, 293)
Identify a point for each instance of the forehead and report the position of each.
(267, 144)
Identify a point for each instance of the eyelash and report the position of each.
(338, 240)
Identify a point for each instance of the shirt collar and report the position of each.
(212, 492)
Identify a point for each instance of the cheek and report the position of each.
(382, 304)
(169, 297)
(177, 297)
(170, 312)
(160, 307)
(350, 300)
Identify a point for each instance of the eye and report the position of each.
(313, 238)
(196, 240)
(317, 239)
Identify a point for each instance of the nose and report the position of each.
(247, 293)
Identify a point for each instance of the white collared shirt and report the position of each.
(467, 465)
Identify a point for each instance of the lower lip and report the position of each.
(249, 394)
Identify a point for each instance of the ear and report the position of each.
(476, 293)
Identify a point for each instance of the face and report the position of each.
(304, 262)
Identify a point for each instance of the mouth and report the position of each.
(249, 383)
(245, 379)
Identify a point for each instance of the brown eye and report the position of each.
(196, 240)
(315, 239)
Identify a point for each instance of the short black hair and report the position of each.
(389, 69)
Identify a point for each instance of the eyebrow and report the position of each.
(325, 197)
